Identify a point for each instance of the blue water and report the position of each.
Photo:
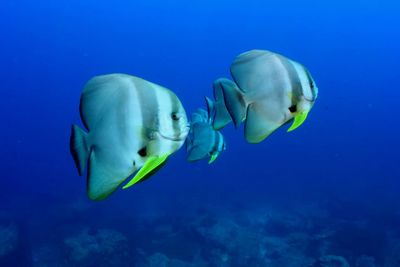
(326, 194)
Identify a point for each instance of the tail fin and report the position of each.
(79, 148)
(234, 100)
(221, 115)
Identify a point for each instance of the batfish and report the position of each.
(203, 140)
(267, 91)
(132, 125)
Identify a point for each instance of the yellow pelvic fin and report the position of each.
(213, 158)
(298, 120)
(150, 164)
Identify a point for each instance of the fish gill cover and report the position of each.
(325, 194)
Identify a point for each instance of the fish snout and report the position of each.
(185, 130)
(180, 136)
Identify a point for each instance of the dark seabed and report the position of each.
(325, 195)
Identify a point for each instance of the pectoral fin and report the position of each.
(298, 120)
(150, 165)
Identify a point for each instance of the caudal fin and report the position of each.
(79, 148)
(234, 100)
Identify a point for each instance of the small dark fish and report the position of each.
(203, 140)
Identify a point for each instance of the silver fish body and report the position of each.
(267, 91)
(128, 120)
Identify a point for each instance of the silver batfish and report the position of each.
(268, 91)
(132, 125)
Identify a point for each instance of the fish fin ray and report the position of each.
(210, 109)
(233, 100)
(221, 115)
(79, 148)
(151, 164)
(213, 158)
(298, 121)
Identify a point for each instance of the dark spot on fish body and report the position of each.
(143, 152)
(293, 108)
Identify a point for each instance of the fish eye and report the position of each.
(175, 116)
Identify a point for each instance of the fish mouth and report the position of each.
(178, 138)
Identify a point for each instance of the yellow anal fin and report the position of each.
(298, 120)
(213, 158)
(151, 164)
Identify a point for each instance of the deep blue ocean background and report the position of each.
(326, 194)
